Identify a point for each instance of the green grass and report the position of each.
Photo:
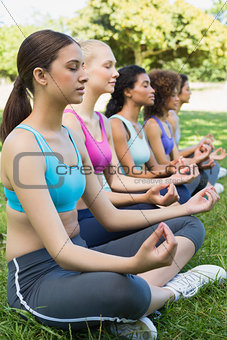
(201, 317)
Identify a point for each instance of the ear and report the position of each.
(40, 76)
(128, 92)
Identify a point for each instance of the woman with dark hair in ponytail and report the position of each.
(52, 273)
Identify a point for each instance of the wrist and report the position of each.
(185, 209)
(138, 198)
(133, 264)
(194, 160)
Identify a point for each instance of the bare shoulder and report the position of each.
(19, 140)
(118, 127)
(19, 143)
(150, 123)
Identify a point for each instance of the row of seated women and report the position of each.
(78, 254)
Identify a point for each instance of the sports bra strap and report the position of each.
(161, 126)
(133, 132)
(41, 141)
(104, 135)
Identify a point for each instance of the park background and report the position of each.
(186, 36)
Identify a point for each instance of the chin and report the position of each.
(77, 100)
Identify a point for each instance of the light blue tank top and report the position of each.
(65, 183)
(138, 147)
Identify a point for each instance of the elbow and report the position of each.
(62, 262)
(64, 258)
(111, 221)
(108, 224)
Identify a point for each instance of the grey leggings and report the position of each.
(59, 297)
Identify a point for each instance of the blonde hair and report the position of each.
(89, 47)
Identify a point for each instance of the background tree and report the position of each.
(11, 38)
(219, 10)
(154, 33)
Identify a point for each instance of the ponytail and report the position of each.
(114, 105)
(127, 78)
(17, 108)
(39, 49)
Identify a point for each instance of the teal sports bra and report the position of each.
(138, 147)
(65, 183)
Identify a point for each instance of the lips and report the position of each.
(81, 89)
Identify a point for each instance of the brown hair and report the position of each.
(163, 82)
(39, 49)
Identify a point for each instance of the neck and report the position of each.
(46, 114)
(131, 111)
(86, 108)
(165, 115)
(179, 106)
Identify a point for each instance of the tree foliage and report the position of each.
(154, 33)
(11, 38)
(219, 10)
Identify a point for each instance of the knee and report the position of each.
(197, 231)
(130, 295)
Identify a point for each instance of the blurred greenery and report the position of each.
(156, 34)
(219, 10)
(150, 33)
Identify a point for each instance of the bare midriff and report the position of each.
(23, 239)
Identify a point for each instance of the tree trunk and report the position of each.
(138, 56)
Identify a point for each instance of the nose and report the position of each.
(115, 73)
(152, 90)
(83, 76)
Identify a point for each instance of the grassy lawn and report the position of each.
(201, 317)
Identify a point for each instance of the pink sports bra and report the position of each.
(99, 152)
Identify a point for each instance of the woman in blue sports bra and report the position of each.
(52, 273)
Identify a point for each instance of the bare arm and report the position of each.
(188, 151)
